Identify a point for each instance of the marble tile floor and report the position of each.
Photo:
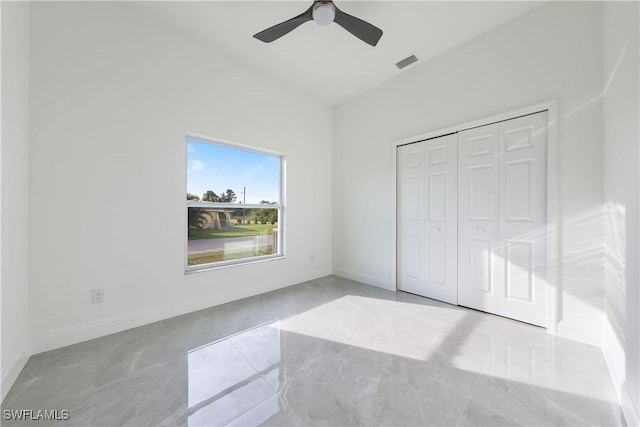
(326, 352)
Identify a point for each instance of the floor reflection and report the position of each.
(327, 352)
(226, 377)
(225, 408)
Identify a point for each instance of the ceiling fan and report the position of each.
(324, 12)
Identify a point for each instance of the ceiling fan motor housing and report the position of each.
(324, 12)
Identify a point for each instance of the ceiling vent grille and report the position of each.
(406, 62)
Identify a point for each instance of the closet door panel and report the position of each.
(427, 218)
(472, 218)
(502, 219)
(523, 218)
(478, 210)
(411, 245)
(441, 230)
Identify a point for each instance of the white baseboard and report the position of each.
(363, 278)
(97, 329)
(629, 408)
(13, 369)
(613, 351)
(614, 356)
(581, 333)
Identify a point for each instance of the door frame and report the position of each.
(553, 236)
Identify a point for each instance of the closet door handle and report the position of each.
(481, 229)
(437, 229)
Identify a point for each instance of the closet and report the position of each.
(472, 218)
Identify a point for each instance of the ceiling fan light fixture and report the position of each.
(324, 13)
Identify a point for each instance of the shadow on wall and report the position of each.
(586, 268)
(580, 259)
(582, 263)
(615, 261)
(605, 89)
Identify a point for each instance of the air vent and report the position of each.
(406, 62)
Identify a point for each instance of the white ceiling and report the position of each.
(328, 62)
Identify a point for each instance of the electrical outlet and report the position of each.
(97, 296)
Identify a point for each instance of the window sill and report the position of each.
(229, 264)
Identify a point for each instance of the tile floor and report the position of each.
(326, 352)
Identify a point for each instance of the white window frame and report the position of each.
(280, 206)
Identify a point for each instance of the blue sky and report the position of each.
(216, 168)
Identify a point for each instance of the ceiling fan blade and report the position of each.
(361, 29)
(279, 30)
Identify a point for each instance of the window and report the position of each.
(234, 205)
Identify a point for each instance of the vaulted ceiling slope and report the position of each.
(328, 62)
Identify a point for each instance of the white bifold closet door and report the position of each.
(502, 218)
(427, 218)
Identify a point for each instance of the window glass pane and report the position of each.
(213, 169)
(217, 235)
(222, 183)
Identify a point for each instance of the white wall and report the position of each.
(621, 192)
(15, 202)
(552, 52)
(112, 97)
